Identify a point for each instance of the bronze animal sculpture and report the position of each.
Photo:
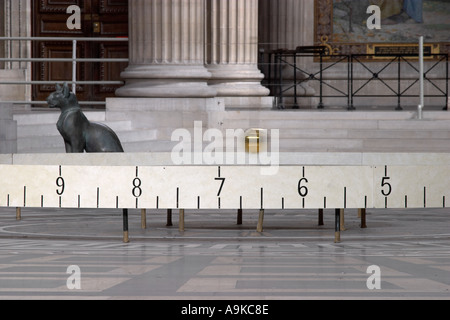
(78, 132)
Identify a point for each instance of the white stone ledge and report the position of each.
(164, 159)
(123, 104)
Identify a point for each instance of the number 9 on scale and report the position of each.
(60, 183)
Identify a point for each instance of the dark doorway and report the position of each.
(99, 18)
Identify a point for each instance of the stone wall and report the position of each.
(2, 33)
(8, 130)
(15, 22)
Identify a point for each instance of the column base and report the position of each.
(238, 89)
(237, 80)
(166, 81)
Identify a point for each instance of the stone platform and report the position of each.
(148, 126)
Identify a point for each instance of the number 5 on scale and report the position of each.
(387, 188)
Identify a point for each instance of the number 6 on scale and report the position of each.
(303, 190)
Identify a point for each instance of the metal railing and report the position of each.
(353, 85)
(399, 91)
(278, 59)
(75, 60)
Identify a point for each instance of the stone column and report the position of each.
(232, 48)
(287, 24)
(166, 50)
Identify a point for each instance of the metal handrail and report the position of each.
(63, 60)
(74, 61)
(398, 92)
(279, 58)
(68, 82)
(118, 39)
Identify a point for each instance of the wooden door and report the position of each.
(99, 18)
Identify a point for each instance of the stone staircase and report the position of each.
(37, 133)
(365, 131)
(300, 131)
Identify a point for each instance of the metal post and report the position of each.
(446, 82)
(126, 238)
(181, 220)
(399, 93)
(363, 219)
(351, 107)
(74, 66)
(321, 217)
(270, 74)
(337, 226)
(239, 217)
(295, 82)
(321, 105)
(280, 77)
(8, 64)
(169, 218)
(144, 219)
(421, 70)
(342, 222)
(260, 221)
(349, 103)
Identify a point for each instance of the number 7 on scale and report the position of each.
(221, 185)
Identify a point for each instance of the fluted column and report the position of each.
(288, 24)
(232, 48)
(166, 50)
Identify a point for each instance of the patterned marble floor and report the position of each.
(215, 259)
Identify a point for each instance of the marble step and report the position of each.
(363, 134)
(286, 145)
(299, 131)
(361, 145)
(338, 124)
(46, 117)
(55, 141)
(45, 130)
(336, 115)
(400, 134)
